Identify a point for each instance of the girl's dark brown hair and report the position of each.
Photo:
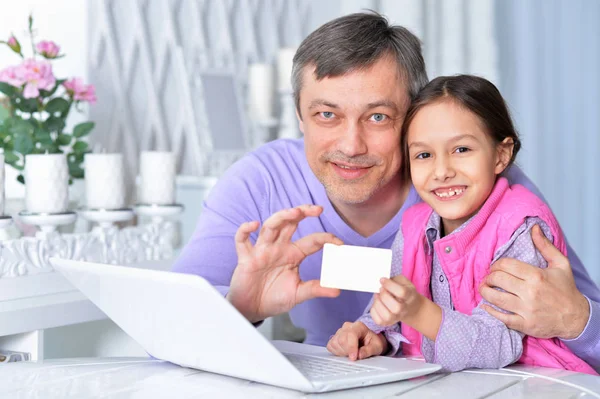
(473, 93)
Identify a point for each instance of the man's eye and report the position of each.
(327, 114)
(379, 117)
(423, 155)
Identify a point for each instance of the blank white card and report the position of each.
(354, 268)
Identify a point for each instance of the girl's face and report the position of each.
(453, 160)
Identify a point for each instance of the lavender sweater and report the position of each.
(277, 176)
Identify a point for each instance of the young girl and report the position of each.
(457, 139)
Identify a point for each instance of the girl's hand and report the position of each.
(356, 341)
(397, 301)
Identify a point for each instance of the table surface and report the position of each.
(147, 378)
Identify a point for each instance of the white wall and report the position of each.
(62, 21)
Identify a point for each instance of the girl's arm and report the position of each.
(391, 333)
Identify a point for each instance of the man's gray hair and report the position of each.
(355, 42)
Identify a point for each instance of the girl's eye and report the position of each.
(461, 150)
(379, 117)
(423, 155)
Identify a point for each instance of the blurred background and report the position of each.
(209, 80)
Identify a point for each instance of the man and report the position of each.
(353, 81)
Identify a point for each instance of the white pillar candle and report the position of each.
(46, 183)
(1, 184)
(104, 181)
(285, 61)
(157, 175)
(260, 92)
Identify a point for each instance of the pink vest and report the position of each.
(465, 258)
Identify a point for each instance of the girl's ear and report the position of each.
(504, 152)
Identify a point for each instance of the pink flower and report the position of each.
(48, 49)
(9, 75)
(14, 44)
(36, 75)
(80, 91)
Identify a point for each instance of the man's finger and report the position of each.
(506, 281)
(242, 237)
(503, 300)
(512, 321)
(518, 269)
(271, 228)
(314, 242)
(312, 289)
(553, 256)
(287, 230)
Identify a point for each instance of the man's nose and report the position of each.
(352, 142)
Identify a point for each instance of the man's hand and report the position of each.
(266, 281)
(356, 341)
(545, 302)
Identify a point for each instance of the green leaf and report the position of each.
(83, 129)
(10, 157)
(24, 144)
(4, 112)
(28, 105)
(43, 137)
(75, 170)
(80, 146)
(54, 124)
(64, 139)
(7, 89)
(57, 105)
(46, 94)
(18, 126)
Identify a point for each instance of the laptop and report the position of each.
(183, 319)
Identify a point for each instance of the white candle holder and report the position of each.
(47, 222)
(107, 218)
(161, 233)
(159, 213)
(5, 222)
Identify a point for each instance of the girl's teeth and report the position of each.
(450, 193)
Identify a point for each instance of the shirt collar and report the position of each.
(433, 228)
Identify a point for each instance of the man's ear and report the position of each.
(300, 122)
(504, 154)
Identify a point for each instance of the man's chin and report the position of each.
(348, 197)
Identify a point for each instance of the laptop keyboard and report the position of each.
(315, 367)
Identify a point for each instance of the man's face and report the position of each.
(351, 127)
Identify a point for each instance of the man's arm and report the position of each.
(583, 280)
(258, 272)
(561, 301)
(239, 196)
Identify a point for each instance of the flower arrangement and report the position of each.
(37, 106)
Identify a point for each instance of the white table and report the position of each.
(32, 303)
(146, 378)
